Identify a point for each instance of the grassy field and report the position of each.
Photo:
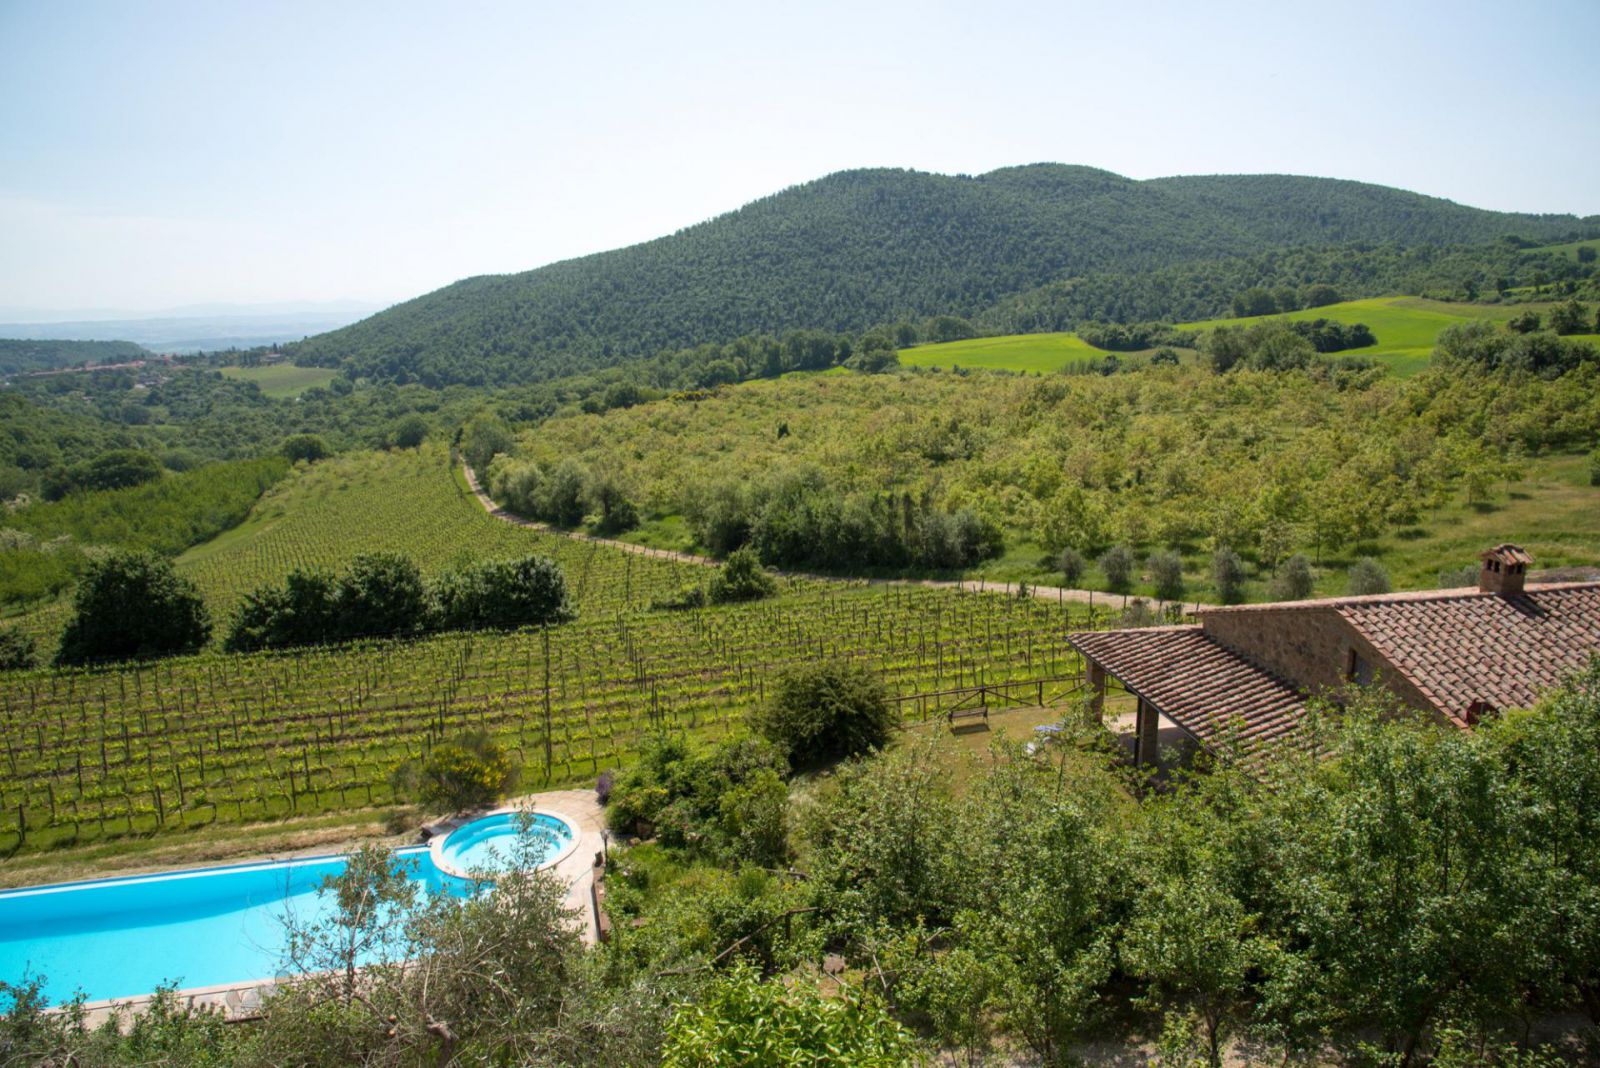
(1406, 327)
(1570, 249)
(283, 380)
(1018, 352)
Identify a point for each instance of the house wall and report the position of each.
(1308, 646)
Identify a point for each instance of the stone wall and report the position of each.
(1308, 646)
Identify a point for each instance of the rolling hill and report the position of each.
(868, 247)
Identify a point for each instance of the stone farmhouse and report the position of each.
(1249, 670)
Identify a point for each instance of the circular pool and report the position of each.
(503, 841)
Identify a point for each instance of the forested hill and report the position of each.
(867, 247)
(21, 355)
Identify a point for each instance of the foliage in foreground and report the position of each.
(743, 1020)
(1397, 894)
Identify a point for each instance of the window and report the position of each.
(1360, 671)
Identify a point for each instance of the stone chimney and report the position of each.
(1504, 569)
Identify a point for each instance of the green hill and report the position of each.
(868, 247)
(18, 356)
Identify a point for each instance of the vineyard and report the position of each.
(224, 739)
(411, 502)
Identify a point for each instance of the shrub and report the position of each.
(1457, 577)
(1367, 576)
(381, 593)
(741, 578)
(1166, 571)
(1072, 566)
(469, 773)
(689, 596)
(408, 432)
(301, 612)
(749, 1022)
(529, 591)
(1227, 574)
(1293, 580)
(307, 447)
(18, 650)
(1526, 323)
(727, 801)
(1116, 563)
(1594, 462)
(133, 604)
(820, 712)
(484, 437)
(116, 469)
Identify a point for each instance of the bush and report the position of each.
(747, 1022)
(1116, 563)
(470, 773)
(1594, 466)
(1227, 574)
(1072, 566)
(484, 437)
(685, 597)
(728, 801)
(307, 447)
(381, 594)
(530, 591)
(18, 650)
(1458, 577)
(303, 611)
(1166, 571)
(1293, 580)
(133, 604)
(116, 469)
(1526, 323)
(408, 432)
(821, 712)
(1367, 576)
(741, 578)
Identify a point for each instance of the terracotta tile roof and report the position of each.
(1197, 684)
(1382, 598)
(1462, 648)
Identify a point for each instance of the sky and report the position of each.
(159, 154)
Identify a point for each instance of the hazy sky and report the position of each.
(156, 154)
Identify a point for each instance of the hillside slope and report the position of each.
(871, 246)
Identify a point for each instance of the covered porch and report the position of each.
(1181, 681)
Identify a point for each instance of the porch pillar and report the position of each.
(1145, 742)
(1097, 690)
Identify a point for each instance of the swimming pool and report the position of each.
(497, 841)
(121, 938)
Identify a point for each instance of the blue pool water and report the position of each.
(492, 843)
(119, 938)
(123, 938)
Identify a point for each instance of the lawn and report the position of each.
(283, 380)
(1016, 352)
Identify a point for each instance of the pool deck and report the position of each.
(575, 869)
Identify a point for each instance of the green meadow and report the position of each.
(1016, 352)
(283, 380)
(1406, 327)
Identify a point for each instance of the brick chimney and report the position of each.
(1504, 569)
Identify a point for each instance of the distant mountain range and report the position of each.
(867, 247)
(195, 328)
